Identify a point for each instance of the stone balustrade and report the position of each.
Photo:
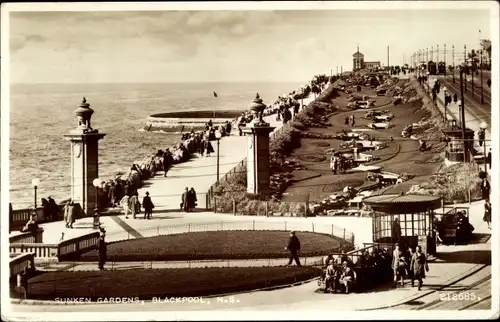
(28, 237)
(19, 262)
(66, 249)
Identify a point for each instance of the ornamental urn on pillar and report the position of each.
(84, 142)
(257, 132)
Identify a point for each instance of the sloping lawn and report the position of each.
(149, 283)
(217, 245)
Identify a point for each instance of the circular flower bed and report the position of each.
(237, 244)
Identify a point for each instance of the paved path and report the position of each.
(466, 268)
(473, 119)
(200, 172)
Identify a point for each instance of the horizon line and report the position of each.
(158, 82)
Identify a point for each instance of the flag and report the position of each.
(215, 94)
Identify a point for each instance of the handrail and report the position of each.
(40, 250)
(18, 263)
(76, 246)
(65, 249)
(27, 237)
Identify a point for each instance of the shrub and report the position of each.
(452, 183)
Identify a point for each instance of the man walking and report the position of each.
(419, 266)
(294, 248)
(148, 206)
(102, 249)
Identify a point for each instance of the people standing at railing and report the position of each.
(102, 250)
(419, 266)
(148, 206)
(46, 210)
(54, 209)
(167, 160)
(294, 248)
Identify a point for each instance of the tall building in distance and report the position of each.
(358, 62)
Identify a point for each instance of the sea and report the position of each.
(40, 114)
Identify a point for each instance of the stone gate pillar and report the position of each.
(257, 132)
(84, 158)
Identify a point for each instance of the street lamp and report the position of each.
(97, 184)
(218, 135)
(35, 182)
(483, 126)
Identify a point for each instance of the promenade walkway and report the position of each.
(200, 172)
(473, 120)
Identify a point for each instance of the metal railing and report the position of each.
(28, 237)
(289, 225)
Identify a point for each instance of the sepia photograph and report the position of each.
(249, 160)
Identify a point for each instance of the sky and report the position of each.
(218, 46)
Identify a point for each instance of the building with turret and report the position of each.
(358, 62)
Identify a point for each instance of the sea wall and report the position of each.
(188, 121)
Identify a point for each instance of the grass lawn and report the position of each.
(149, 283)
(217, 245)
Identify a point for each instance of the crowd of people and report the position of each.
(343, 275)
(374, 267)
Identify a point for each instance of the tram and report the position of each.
(441, 67)
(431, 68)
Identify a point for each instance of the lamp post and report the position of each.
(465, 65)
(483, 126)
(35, 182)
(218, 135)
(481, 71)
(444, 59)
(97, 184)
(453, 58)
(462, 107)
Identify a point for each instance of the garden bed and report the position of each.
(144, 284)
(217, 245)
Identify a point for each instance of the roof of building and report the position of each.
(358, 54)
(398, 204)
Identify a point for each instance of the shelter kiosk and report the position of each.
(404, 219)
(456, 144)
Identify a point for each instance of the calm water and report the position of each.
(41, 114)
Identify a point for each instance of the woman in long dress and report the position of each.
(125, 205)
